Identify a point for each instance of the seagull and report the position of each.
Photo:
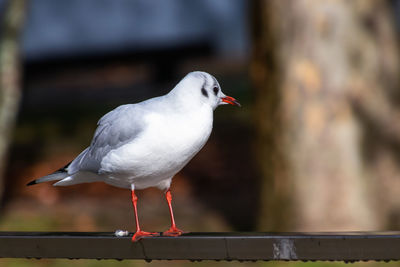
(136, 146)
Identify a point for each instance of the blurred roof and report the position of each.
(74, 27)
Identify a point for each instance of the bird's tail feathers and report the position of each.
(55, 176)
(58, 175)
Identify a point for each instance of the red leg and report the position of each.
(139, 233)
(173, 231)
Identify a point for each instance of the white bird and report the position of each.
(143, 145)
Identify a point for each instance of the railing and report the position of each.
(349, 246)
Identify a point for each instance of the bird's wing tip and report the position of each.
(31, 183)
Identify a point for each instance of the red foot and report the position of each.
(174, 231)
(140, 234)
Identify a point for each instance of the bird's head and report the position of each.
(202, 88)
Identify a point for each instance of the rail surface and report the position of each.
(349, 246)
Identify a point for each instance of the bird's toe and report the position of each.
(140, 234)
(173, 231)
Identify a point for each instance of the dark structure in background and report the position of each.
(57, 29)
(79, 36)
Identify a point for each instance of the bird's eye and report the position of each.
(216, 90)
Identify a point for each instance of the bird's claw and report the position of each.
(140, 234)
(173, 231)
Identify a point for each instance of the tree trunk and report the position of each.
(10, 85)
(316, 64)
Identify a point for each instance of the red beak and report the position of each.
(230, 100)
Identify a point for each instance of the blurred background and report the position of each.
(315, 146)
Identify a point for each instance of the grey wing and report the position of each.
(115, 129)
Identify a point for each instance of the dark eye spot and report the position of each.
(216, 90)
(204, 92)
